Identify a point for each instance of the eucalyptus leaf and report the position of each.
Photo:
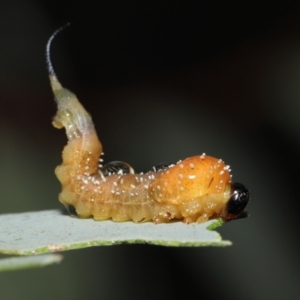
(52, 231)
(26, 262)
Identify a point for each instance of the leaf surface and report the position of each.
(49, 231)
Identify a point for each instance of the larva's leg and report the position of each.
(188, 220)
(202, 218)
(166, 213)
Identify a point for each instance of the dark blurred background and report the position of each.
(163, 81)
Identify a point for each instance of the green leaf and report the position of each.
(26, 262)
(49, 231)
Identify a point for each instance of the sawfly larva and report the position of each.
(196, 189)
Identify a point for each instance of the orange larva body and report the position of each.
(194, 190)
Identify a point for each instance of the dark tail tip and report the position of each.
(48, 59)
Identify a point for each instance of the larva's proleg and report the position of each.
(196, 189)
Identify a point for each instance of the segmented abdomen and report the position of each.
(194, 190)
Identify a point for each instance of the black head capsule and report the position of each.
(237, 202)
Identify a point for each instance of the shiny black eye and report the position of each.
(161, 166)
(238, 200)
(117, 167)
(72, 211)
